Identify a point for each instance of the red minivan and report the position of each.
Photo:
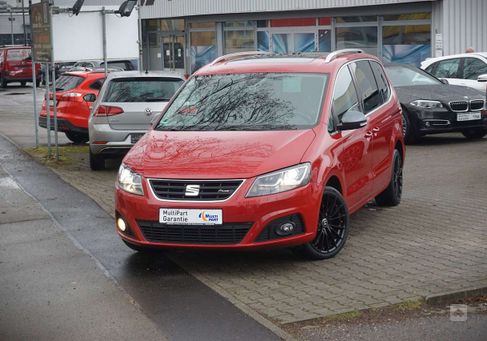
(258, 150)
(16, 66)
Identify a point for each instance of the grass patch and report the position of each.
(410, 305)
(67, 154)
(349, 315)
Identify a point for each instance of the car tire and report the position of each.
(22, 84)
(332, 229)
(391, 196)
(97, 162)
(410, 134)
(3, 82)
(474, 133)
(76, 138)
(38, 83)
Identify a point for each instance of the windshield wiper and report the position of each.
(155, 99)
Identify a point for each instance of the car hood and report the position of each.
(216, 155)
(440, 92)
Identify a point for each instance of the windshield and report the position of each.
(405, 76)
(19, 54)
(258, 101)
(68, 82)
(142, 89)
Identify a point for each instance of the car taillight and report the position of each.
(72, 97)
(105, 110)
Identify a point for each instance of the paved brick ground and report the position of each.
(435, 241)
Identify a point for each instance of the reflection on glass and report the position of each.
(408, 16)
(364, 38)
(407, 76)
(356, 19)
(259, 101)
(281, 42)
(203, 49)
(250, 24)
(406, 54)
(304, 42)
(262, 41)
(409, 44)
(237, 41)
(324, 38)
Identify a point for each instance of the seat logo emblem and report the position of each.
(192, 190)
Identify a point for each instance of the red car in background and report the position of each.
(16, 66)
(75, 92)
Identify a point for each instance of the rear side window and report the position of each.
(96, 85)
(344, 96)
(122, 65)
(447, 68)
(68, 82)
(18, 54)
(145, 89)
(382, 84)
(366, 85)
(473, 68)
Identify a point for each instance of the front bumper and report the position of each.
(258, 215)
(443, 121)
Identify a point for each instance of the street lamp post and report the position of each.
(23, 23)
(11, 19)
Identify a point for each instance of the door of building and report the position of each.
(293, 42)
(172, 50)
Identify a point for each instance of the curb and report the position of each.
(447, 297)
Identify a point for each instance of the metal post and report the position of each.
(139, 22)
(104, 32)
(34, 85)
(23, 23)
(48, 113)
(54, 104)
(11, 28)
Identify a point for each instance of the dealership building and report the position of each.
(186, 34)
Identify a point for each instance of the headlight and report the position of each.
(280, 181)
(427, 104)
(130, 181)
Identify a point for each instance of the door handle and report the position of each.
(368, 134)
(375, 129)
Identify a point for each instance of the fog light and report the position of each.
(427, 124)
(285, 229)
(121, 224)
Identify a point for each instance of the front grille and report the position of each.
(459, 105)
(229, 233)
(208, 190)
(476, 104)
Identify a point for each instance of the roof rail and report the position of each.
(337, 53)
(239, 55)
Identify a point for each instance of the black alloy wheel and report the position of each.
(332, 230)
(409, 132)
(391, 196)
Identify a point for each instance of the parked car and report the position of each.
(126, 106)
(75, 94)
(259, 150)
(16, 66)
(60, 68)
(430, 106)
(121, 64)
(467, 69)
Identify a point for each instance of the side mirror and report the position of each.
(89, 97)
(352, 120)
(444, 80)
(482, 78)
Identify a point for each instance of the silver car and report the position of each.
(127, 104)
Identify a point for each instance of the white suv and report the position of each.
(467, 69)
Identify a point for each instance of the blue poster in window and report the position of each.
(406, 54)
(202, 55)
(262, 41)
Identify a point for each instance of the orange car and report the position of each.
(75, 92)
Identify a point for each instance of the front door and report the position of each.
(173, 52)
(293, 42)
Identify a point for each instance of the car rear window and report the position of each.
(68, 82)
(18, 54)
(258, 101)
(142, 89)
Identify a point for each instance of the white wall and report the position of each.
(80, 37)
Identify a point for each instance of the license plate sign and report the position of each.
(173, 216)
(134, 138)
(469, 116)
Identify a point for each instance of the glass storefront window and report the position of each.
(356, 19)
(408, 16)
(202, 25)
(281, 43)
(409, 44)
(261, 23)
(364, 38)
(240, 24)
(262, 41)
(324, 40)
(304, 42)
(238, 41)
(203, 49)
